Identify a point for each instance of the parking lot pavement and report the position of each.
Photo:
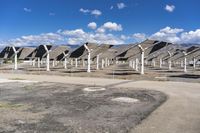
(179, 114)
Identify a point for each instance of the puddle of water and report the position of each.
(93, 89)
(126, 99)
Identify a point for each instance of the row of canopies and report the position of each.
(138, 55)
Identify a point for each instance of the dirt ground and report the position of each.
(58, 107)
(120, 71)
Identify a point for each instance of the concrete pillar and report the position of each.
(72, 62)
(153, 63)
(160, 63)
(65, 63)
(88, 69)
(133, 64)
(47, 61)
(15, 67)
(142, 63)
(33, 62)
(185, 64)
(106, 62)
(102, 63)
(136, 64)
(76, 62)
(170, 64)
(181, 64)
(97, 62)
(38, 62)
(194, 63)
(53, 63)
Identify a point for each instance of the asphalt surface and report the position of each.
(179, 114)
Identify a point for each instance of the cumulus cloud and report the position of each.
(32, 40)
(191, 36)
(110, 26)
(94, 12)
(111, 7)
(84, 10)
(170, 8)
(79, 36)
(121, 5)
(27, 9)
(168, 34)
(52, 14)
(139, 37)
(92, 25)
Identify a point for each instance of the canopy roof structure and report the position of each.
(179, 55)
(39, 52)
(81, 51)
(150, 46)
(163, 53)
(25, 52)
(8, 52)
(194, 54)
(57, 53)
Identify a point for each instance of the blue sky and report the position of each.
(26, 22)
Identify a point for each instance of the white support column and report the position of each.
(76, 62)
(65, 63)
(88, 50)
(194, 63)
(15, 58)
(102, 63)
(33, 62)
(38, 62)
(169, 61)
(47, 59)
(97, 62)
(142, 59)
(65, 60)
(185, 62)
(181, 64)
(142, 63)
(160, 62)
(154, 63)
(72, 62)
(136, 64)
(106, 62)
(133, 64)
(30, 61)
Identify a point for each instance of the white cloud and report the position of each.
(121, 5)
(139, 37)
(111, 26)
(92, 25)
(52, 14)
(168, 34)
(191, 36)
(170, 8)
(84, 10)
(111, 7)
(94, 12)
(27, 9)
(79, 36)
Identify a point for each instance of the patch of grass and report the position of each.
(9, 105)
(28, 87)
(16, 79)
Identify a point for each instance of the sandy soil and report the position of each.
(57, 108)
